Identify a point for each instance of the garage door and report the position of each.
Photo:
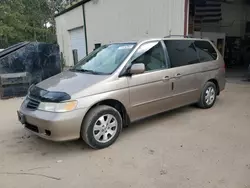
(78, 42)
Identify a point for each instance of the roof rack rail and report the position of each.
(184, 36)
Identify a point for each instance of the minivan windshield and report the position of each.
(104, 60)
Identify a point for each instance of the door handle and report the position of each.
(165, 78)
(178, 75)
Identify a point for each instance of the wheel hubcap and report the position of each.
(105, 128)
(210, 95)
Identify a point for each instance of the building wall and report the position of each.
(234, 17)
(64, 23)
(127, 20)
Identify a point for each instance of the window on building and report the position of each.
(205, 51)
(181, 52)
(152, 55)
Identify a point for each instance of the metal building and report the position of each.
(92, 22)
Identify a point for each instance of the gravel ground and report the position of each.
(188, 147)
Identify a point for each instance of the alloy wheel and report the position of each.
(210, 95)
(105, 128)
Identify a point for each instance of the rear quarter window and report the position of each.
(205, 50)
(181, 52)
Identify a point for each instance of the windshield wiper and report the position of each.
(85, 71)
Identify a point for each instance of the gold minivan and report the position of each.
(122, 82)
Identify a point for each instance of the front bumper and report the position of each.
(53, 126)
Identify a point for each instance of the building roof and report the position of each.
(72, 7)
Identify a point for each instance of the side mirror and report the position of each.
(137, 68)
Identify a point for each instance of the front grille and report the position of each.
(32, 103)
(32, 127)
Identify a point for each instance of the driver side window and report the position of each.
(151, 55)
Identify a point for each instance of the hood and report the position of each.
(71, 82)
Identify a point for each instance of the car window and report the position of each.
(105, 60)
(152, 55)
(205, 51)
(181, 52)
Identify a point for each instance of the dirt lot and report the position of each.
(187, 147)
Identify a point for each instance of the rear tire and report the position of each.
(101, 127)
(208, 96)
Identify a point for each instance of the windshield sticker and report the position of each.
(125, 47)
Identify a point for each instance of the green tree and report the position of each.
(11, 21)
(25, 20)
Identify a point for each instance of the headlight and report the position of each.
(58, 107)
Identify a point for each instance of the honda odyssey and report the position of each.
(122, 82)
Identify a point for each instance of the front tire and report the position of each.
(101, 127)
(208, 96)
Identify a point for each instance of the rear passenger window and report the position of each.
(181, 52)
(206, 51)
